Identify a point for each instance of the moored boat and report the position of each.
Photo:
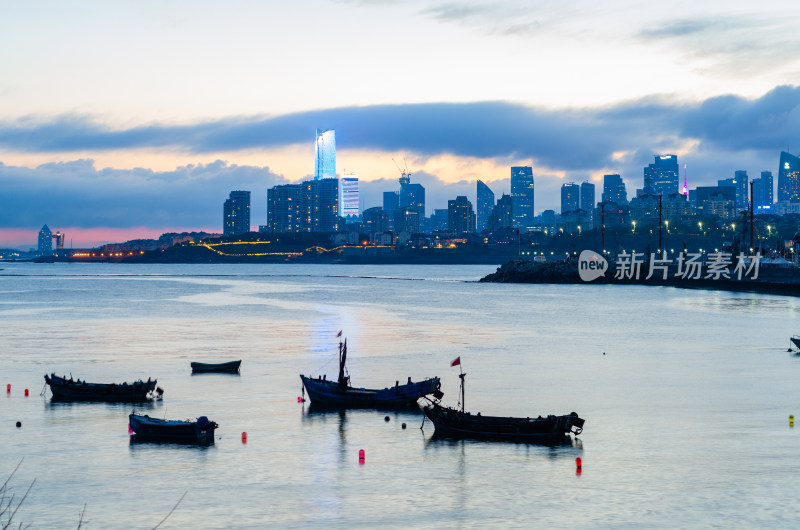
(455, 423)
(226, 367)
(77, 390)
(341, 393)
(186, 431)
(796, 341)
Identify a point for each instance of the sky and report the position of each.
(125, 120)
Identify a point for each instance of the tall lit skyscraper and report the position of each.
(285, 208)
(460, 215)
(45, 241)
(664, 174)
(740, 180)
(325, 158)
(614, 189)
(789, 178)
(587, 197)
(236, 213)
(522, 195)
(485, 205)
(763, 191)
(570, 197)
(321, 205)
(349, 195)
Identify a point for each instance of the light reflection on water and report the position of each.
(686, 396)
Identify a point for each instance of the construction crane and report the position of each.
(405, 174)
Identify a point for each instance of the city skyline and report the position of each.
(140, 126)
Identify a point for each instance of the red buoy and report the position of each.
(244, 437)
(578, 462)
(299, 399)
(26, 392)
(8, 388)
(361, 456)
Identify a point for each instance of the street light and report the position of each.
(634, 227)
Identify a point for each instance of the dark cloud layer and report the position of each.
(568, 139)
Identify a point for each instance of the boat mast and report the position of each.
(342, 360)
(461, 376)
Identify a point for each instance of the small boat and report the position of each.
(228, 367)
(200, 431)
(341, 393)
(77, 390)
(796, 341)
(455, 423)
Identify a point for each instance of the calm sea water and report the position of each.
(686, 413)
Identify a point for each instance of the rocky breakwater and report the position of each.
(769, 278)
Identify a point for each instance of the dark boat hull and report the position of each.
(229, 367)
(456, 424)
(76, 390)
(796, 342)
(331, 394)
(147, 428)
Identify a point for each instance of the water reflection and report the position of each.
(137, 443)
(569, 447)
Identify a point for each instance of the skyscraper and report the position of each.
(45, 246)
(522, 196)
(614, 189)
(236, 213)
(285, 208)
(740, 181)
(763, 191)
(570, 197)
(412, 196)
(587, 197)
(789, 178)
(664, 173)
(325, 157)
(321, 205)
(485, 205)
(460, 215)
(349, 195)
(502, 214)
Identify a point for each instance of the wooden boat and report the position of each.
(455, 423)
(341, 393)
(147, 428)
(228, 367)
(77, 390)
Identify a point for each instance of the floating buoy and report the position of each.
(244, 437)
(791, 420)
(299, 399)
(386, 418)
(578, 462)
(404, 425)
(19, 424)
(361, 456)
(8, 388)
(26, 392)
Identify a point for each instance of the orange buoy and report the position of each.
(244, 437)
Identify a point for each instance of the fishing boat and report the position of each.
(77, 390)
(457, 423)
(341, 393)
(199, 431)
(227, 367)
(796, 341)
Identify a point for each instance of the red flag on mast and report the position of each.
(456, 361)
(339, 334)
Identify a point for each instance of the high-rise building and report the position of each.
(789, 178)
(502, 214)
(614, 189)
(587, 197)
(285, 208)
(763, 191)
(236, 213)
(664, 174)
(413, 196)
(349, 195)
(45, 246)
(438, 220)
(570, 197)
(522, 195)
(321, 205)
(325, 156)
(460, 215)
(375, 220)
(485, 205)
(407, 220)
